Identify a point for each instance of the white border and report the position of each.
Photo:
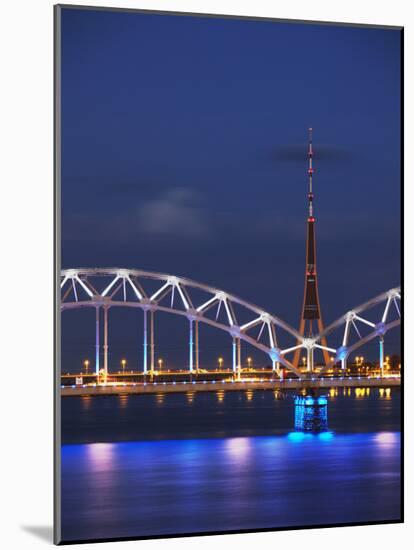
(26, 332)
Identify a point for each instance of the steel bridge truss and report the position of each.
(103, 289)
(369, 321)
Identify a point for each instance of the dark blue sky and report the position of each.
(184, 151)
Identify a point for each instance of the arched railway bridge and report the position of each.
(106, 288)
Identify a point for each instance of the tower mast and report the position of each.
(311, 317)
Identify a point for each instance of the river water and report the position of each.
(183, 463)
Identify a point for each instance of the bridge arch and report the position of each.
(83, 288)
(379, 324)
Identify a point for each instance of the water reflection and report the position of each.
(220, 396)
(298, 436)
(238, 447)
(190, 396)
(152, 488)
(159, 398)
(249, 395)
(359, 393)
(86, 401)
(386, 439)
(385, 393)
(325, 436)
(123, 400)
(101, 456)
(91, 419)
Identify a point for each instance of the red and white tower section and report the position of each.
(311, 318)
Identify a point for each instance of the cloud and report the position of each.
(295, 152)
(175, 213)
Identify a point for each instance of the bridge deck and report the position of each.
(178, 387)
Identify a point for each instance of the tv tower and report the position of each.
(311, 317)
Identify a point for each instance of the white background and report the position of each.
(26, 323)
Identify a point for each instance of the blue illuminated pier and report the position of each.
(311, 413)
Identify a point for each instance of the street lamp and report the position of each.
(86, 365)
(160, 362)
(249, 362)
(123, 363)
(220, 362)
(304, 361)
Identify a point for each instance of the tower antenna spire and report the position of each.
(310, 174)
(311, 310)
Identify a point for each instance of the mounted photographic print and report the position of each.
(228, 271)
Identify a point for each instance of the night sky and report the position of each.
(184, 145)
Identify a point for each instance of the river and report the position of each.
(148, 465)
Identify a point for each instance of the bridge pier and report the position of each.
(97, 342)
(191, 347)
(238, 358)
(105, 345)
(145, 361)
(234, 357)
(276, 368)
(381, 354)
(152, 346)
(309, 359)
(279, 371)
(343, 364)
(311, 412)
(197, 363)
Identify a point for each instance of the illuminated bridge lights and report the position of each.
(83, 288)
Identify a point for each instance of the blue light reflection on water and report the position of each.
(182, 486)
(300, 436)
